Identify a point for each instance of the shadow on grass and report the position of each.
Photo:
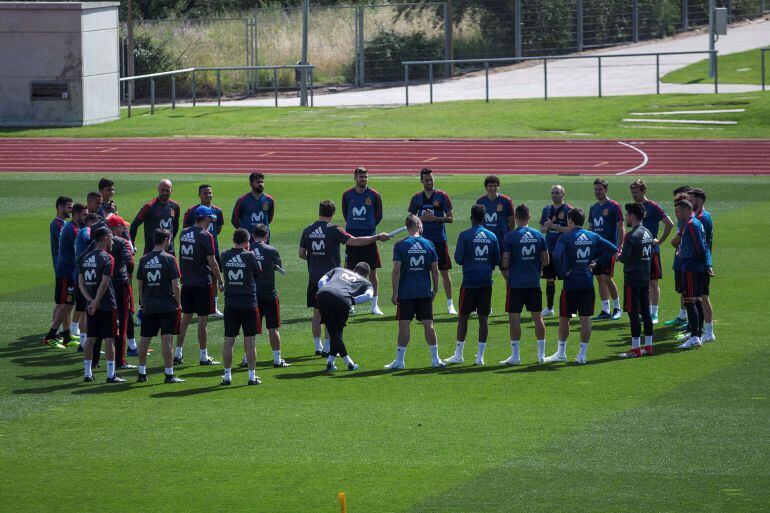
(303, 375)
(29, 352)
(185, 392)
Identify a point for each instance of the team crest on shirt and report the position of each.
(499, 208)
(265, 207)
(561, 215)
(436, 204)
(369, 202)
(605, 212)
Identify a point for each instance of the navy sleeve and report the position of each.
(460, 250)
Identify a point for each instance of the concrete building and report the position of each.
(59, 63)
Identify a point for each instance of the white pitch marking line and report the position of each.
(679, 121)
(640, 166)
(674, 112)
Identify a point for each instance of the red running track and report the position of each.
(226, 155)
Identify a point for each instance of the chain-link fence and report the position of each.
(362, 45)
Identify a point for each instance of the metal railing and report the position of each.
(545, 59)
(218, 70)
(762, 53)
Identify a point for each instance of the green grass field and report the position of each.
(734, 68)
(680, 431)
(565, 118)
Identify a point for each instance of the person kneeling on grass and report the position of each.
(241, 269)
(338, 290)
(157, 284)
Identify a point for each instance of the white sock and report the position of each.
(142, 369)
(326, 345)
(515, 349)
(74, 328)
(132, 344)
(330, 360)
(400, 354)
(449, 302)
(682, 314)
(541, 348)
(583, 349)
(648, 340)
(347, 359)
(653, 309)
(110, 368)
(87, 369)
(480, 352)
(83, 337)
(252, 374)
(204, 354)
(169, 371)
(635, 343)
(562, 348)
(317, 343)
(228, 373)
(178, 352)
(708, 328)
(459, 348)
(216, 303)
(616, 303)
(277, 356)
(606, 305)
(374, 302)
(433, 353)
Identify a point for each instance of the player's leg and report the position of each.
(550, 293)
(585, 338)
(614, 298)
(537, 319)
(88, 354)
(109, 353)
(432, 340)
(604, 296)
(481, 303)
(141, 357)
(203, 339)
(644, 310)
(250, 347)
(654, 297)
(462, 329)
(446, 281)
(632, 306)
(227, 358)
(403, 338)
(180, 338)
(483, 333)
(565, 313)
(514, 331)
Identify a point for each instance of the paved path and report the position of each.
(620, 76)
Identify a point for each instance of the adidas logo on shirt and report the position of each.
(647, 237)
(154, 263)
(90, 261)
(236, 261)
(583, 240)
(417, 249)
(318, 233)
(528, 238)
(481, 237)
(188, 237)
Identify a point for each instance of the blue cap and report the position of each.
(204, 211)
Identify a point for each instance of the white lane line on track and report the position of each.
(640, 166)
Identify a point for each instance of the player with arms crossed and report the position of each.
(61, 310)
(362, 210)
(205, 193)
(434, 208)
(498, 218)
(478, 252)
(575, 255)
(255, 206)
(240, 268)
(606, 219)
(636, 254)
(553, 222)
(525, 253)
(157, 285)
(698, 199)
(161, 212)
(415, 266)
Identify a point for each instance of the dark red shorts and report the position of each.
(270, 311)
(656, 271)
(442, 250)
(64, 293)
(692, 283)
(606, 269)
(369, 254)
(477, 300)
(580, 301)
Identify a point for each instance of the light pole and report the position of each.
(712, 39)
(303, 71)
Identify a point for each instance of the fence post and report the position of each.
(657, 73)
(152, 96)
(761, 7)
(275, 85)
(361, 56)
(761, 53)
(219, 88)
(448, 42)
(517, 27)
(430, 81)
(406, 83)
(685, 15)
(131, 86)
(716, 74)
(600, 77)
(193, 87)
(635, 20)
(486, 81)
(248, 54)
(579, 28)
(173, 92)
(256, 50)
(545, 79)
(312, 104)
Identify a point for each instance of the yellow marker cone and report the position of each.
(343, 502)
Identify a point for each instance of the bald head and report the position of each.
(165, 187)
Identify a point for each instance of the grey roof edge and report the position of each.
(70, 6)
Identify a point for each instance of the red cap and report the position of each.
(115, 220)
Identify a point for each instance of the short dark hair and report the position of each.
(682, 189)
(698, 193)
(100, 233)
(77, 208)
(160, 235)
(360, 170)
(260, 230)
(240, 235)
(425, 171)
(203, 186)
(602, 182)
(92, 195)
(491, 179)
(477, 213)
(521, 212)
(577, 216)
(255, 175)
(679, 197)
(63, 200)
(92, 217)
(639, 184)
(411, 221)
(683, 204)
(109, 208)
(362, 268)
(636, 210)
(326, 208)
(104, 183)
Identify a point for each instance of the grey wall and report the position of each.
(76, 43)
